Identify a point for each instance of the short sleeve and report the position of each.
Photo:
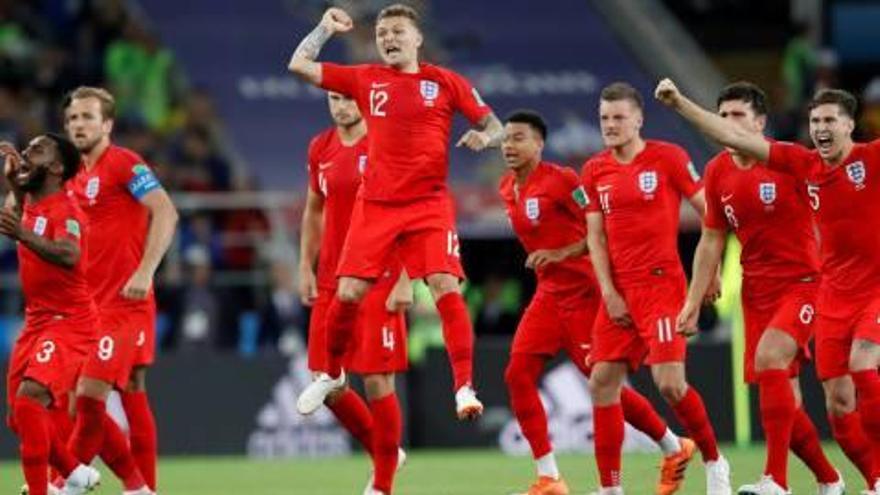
(466, 98)
(714, 218)
(571, 193)
(588, 187)
(312, 167)
(682, 173)
(790, 158)
(341, 78)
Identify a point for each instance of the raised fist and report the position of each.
(667, 92)
(337, 20)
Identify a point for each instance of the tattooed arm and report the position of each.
(302, 62)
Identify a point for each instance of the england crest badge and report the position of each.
(533, 211)
(93, 186)
(430, 90)
(767, 192)
(856, 173)
(362, 164)
(648, 182)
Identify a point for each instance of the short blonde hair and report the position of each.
(108, 103)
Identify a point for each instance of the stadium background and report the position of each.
(204, 96)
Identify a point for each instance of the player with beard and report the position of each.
(404, 205)
(337, 159)
(769, 213)
(60, 316)
(843, 186)
(132, 223)
(635, 188)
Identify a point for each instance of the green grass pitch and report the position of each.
(447, 472)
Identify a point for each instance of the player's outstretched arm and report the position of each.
(311, 232)
(707, 258)
(302, 62)
(488, 134)
(163, 222)
(61, 252)
(718, 129)
(597, 243)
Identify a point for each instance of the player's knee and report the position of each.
(672, 390)
(378, 385)
(442, 284)
(137, 382)
(604, 384)
(34, 391)
(865, 355)
(768, 358)
(93, 388)
(839, 400)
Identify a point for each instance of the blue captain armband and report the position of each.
(143, 182)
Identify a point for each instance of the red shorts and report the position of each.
(422, 232)
(121, 336)
(143, 321)
(841, 319)
(654, 308)
(379, 345)
(789, 306)
(52, 355)
(554, 321)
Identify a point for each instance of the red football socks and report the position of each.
(806, 445)
(386, 440)
(608, 431)
(639, 412)
(88, 431)
(458, 336)
(143, 437)
(867, 384)
(116, 454)
(522, 376)
(354, 415)
(33, 425)
(848, 433)
(691, 413)
(777, 405)
(341, 319)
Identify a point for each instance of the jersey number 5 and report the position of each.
(378, 99)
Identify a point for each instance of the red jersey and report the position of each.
(846, 200)
(640, 202)
(547, 212)
(52, 291)
(335, 174)
(769, 213)
(409, 117)
(109, 193)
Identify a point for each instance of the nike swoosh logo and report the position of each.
(380, 85)
(325, 166)
(603, 188)
(726, 198)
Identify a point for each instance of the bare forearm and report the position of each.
(706, 260)
(13, 201)
(722, 131)
(159, 236)
(311, 232)
(598, 248)
(302, 62)
(494, 129)
(577, 248)
(62, 252)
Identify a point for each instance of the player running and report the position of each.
(546, 205)
(769, 213)
(842, 185)
(60, 316)
(635, 188)
(337, 159)
(132, 222)
(404, 205)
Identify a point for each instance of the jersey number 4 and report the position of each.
(378, 99)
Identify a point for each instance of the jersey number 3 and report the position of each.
(378, 99)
